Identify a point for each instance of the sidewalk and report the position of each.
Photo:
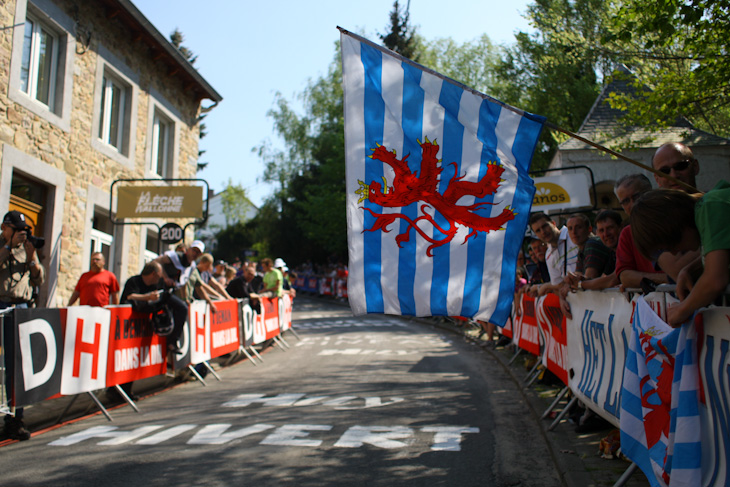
(576, 455)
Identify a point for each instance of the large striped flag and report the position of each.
(660, 398)
(438, 192)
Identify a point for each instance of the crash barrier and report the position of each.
(323, 286)
(589, 354)
(69, 351)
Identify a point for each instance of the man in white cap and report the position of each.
(177, 264)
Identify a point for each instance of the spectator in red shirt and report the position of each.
(96, 287)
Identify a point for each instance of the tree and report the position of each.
(678, 52)
(176, 39)
(554, 71)
(401, 37)
(235, 203)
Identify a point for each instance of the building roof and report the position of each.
(162, 50)
(602, 125)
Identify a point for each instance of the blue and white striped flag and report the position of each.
(438, 192)
(660, 418)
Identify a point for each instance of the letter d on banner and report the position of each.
(38, 355)
(85, 349)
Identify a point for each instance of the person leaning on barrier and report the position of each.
(608, 228)
(676, 160)
(631, 266)
(196, 288)
(560, 257)
(177, 264)
(96, 287)
(148, 287)
(20, 272)
(273, 280)
(674, 221)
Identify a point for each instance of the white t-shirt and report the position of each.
(555, 257)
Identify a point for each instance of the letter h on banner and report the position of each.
(199, 319)
(85, 349)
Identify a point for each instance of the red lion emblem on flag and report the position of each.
(408, 188)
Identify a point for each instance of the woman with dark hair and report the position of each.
(673, 221)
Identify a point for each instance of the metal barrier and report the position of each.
(4, 400)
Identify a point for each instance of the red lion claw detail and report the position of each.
(409, 188)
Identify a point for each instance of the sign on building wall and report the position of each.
(160, 202)
(562, 192)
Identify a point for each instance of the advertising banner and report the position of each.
(551, 321)
(224, 328)
(270, 310)
(569, 190)
(135, 351)
(246, 315)
(285, 311)
(714, 363)
(85, 349)
(166, 202)
(38, 354)
(528, 339)
(597, 340)
(199, 324)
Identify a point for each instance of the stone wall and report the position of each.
(71, 151)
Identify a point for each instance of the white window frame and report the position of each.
(45, 16)
(163, 133)
(111, 73)
(113, 138)
(160, 112)
(38, 30)
(99, 238)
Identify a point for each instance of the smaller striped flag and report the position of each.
(660, 420)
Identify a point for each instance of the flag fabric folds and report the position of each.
(660, 418)
(438, 192)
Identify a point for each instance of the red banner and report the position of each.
(224, 328)
(270, 310)
(529, 336)
(135, 352)
(551, 321)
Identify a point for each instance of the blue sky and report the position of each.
(250, 50)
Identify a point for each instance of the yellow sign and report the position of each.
(160, 202)
(548, 193)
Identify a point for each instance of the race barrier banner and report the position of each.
(552, 324)
(597, 339)
(79, 349)
(526, 330)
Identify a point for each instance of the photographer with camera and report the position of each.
(20, 273)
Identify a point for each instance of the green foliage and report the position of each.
(176, 39)
(401, 37)
(554, 71)
(473, 63)
(678, 52)
(235, 203)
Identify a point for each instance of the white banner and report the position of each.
(199, 318)
(85, 349)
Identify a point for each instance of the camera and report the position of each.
(37, 242)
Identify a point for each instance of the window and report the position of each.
(102, 239)
(40, 62)
(162, 140)
(112, 122)
(151, 246)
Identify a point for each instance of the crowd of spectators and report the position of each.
(170, 281)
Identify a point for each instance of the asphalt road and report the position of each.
(375, 401)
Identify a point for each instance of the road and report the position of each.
(374, 400)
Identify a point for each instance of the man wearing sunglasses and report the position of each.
(676, 160)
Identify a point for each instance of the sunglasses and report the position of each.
(631, 199)
(677, 166)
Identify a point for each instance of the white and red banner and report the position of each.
(83, 348)
(552, 324)
(526, 330)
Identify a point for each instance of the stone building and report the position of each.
(602, 126)
(90, 93)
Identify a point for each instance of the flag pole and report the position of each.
(689, 187)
